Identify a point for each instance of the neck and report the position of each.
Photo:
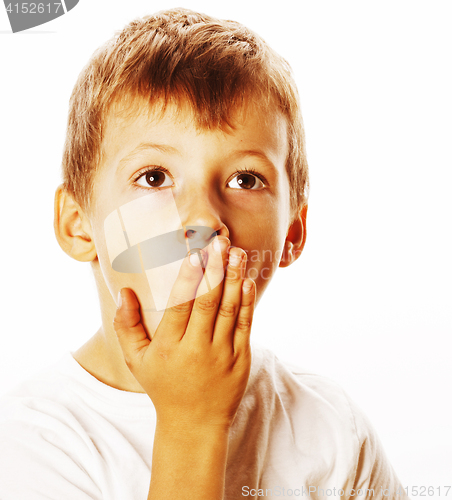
(104, 362)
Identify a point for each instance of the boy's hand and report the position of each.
(196, 367)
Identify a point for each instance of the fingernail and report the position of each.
(235, 259)
(119, 299)
(247, 285)
(195, 259)
(216, 245)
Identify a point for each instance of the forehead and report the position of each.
(253, 127)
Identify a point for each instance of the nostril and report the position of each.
(199, 236)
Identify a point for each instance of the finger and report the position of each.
(244, 320)
(180, 303)
(202, 320)
(129, 329)
(231, 299)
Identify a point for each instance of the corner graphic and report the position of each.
(25, 15)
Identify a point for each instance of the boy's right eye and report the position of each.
(154, 178)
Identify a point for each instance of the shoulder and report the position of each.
(46, 397)
(313, 427)
(41, 441)
(315, 404)
(41, 399)
(294, 385)
(44, 408)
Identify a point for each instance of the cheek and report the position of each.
(263, 258)
(262, 264)
(262, 237)
(109, 246)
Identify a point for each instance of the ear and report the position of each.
(72, 227)
(295, 239)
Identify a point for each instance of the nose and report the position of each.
(199, 236)
(201, 219)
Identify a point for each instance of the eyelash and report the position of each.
(159, 168)
(144, 171)
(253, 172)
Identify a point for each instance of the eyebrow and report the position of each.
(256, 154)
(164, 148)
(161, 148)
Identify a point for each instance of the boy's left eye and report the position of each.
(155, 178)
(246, 181)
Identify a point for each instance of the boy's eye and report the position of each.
(246, 181)
(154, 178)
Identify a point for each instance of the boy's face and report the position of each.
(199, 186)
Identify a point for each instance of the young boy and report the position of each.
(185, 186)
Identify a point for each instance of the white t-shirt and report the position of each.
(67, 436)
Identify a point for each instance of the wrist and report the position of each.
(192, 431)
(195, 455)
(192, 424)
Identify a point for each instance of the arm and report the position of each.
(188, 463)
(195, 370)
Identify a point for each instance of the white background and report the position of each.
(369, 301)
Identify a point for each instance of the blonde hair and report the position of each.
(181, 56)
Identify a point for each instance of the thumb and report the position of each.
(129, 328)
